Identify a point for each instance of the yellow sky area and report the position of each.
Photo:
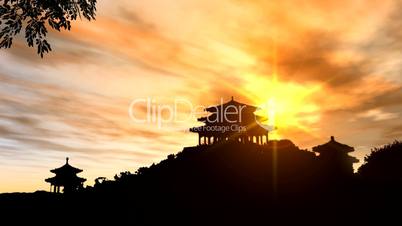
(287, 105)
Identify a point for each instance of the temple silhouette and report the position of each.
(334, 155)
(231, 121)
(66, 177)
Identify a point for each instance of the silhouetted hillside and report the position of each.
(384, 164)
(222, 184)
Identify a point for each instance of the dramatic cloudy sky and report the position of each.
(331, 67)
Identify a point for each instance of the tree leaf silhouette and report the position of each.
(33, 14)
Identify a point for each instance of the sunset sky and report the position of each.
(325, 67)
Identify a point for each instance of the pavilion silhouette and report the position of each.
(231, 121)
(66, 177)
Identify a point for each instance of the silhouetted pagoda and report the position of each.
(334, 156)
(66, 177)
(231, 121)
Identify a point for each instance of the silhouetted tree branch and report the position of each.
(33, 16)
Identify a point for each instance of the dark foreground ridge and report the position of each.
(228, 184)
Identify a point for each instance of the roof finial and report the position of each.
(67, 160)
(232, 98)
(332, 138)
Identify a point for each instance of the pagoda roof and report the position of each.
(66, 169)
(353, 159)
(333, 145)
(61, 180)
(232, 102)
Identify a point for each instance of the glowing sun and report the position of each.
(283, 105)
